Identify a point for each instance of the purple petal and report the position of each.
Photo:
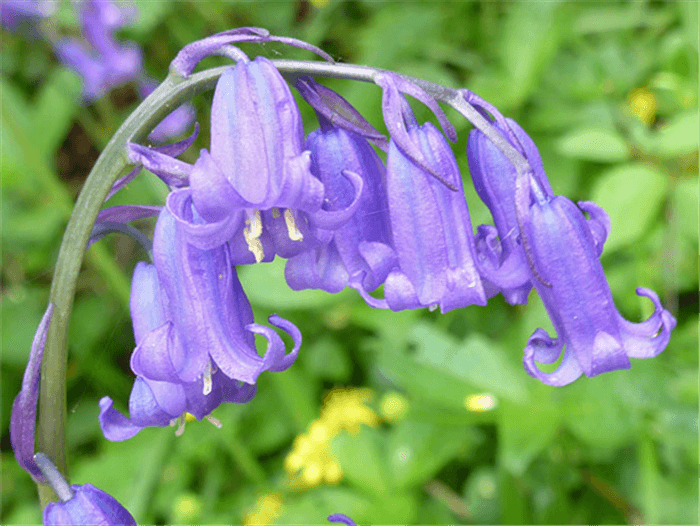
(115, 426)
(89, 505)
(338, 111)
(569, 369)
(648, 338)
(188, 58)
(173, 172)
(336, 219)
(203, 235)
(23, 418)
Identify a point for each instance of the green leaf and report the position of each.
(55, 108)
(265, 286)
(418, 450)
(363, 460)
(594, 144)
(685, 207)
(679, 136)
(530, 39)
(631, 194)
(477, 360)
(524, 431)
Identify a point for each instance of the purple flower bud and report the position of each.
(594, 336)
(194, 334)
(80, 505)
(89, 506)
(358, 252)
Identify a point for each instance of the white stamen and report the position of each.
(215, 421)
(206, 379)
(432, 307)
(252, 234)
(292, 229)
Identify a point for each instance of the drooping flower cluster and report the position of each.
(343, 218)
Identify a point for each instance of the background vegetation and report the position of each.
(608, 91)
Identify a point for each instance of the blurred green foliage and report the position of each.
(618, 448)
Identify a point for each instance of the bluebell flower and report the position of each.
(431, 228)
(503, 260)
(256, 185)
(557, 249)
(23, 417)
(359, 252)
(194, 333)
(80, 504)
(593, 335)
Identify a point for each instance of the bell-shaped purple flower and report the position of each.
(358, 253)
(595, 338)
(194, 334)
(503, 261)
(258, 177)
(431, 227)
(80, 505)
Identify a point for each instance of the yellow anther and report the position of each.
(292, 229)
(480, 403)
(206, 379)
(252, 234)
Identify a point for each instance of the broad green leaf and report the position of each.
(594, 144)
(631, 195)
(478, 360)
(530, 39)
(418, 450)
(593, 413)
(362, 457)
(524, 431)
(601, 18)
(679, 136)
(685, 207)
(55, 108)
